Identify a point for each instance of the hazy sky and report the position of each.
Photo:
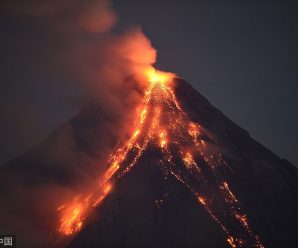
(241, 55)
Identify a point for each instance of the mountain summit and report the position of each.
(186, 177)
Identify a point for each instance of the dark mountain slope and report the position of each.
(145, 210)
(146, 207)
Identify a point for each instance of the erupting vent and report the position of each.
(161, 123)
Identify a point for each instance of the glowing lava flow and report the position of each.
(162, 124)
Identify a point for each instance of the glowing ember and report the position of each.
(225, 187)
(202, 200)
(231, 242)
(188, 160)
(162, 124)
(163, 139)
(193, 130)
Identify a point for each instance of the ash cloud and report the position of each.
(72, 15)
(69, 46)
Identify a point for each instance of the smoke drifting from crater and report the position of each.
(71, 45)
(73, 15)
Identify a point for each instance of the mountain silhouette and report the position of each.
(231, 192)
(187, 177)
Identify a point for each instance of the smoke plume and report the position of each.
(72, 41)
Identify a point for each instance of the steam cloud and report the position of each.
(78, 40)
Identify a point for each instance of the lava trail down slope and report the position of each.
(183, 149)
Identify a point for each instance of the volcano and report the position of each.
(186, 177)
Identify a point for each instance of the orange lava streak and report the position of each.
(72, 219)
(225, 187)
(188, 160)
(161, 123)
(75, 213)
(230, 240)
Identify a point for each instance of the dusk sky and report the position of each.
(241, 55)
